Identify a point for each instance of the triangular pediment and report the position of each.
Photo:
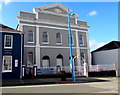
(57, 8)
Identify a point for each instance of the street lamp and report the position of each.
(70, 42)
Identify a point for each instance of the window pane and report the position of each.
(30, 36)
(58, 38)
(80, 40)
(45, 37)
(8, 40)
(7, 63)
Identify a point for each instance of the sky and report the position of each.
(102, 17)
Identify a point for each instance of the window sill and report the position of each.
(72, 44)
(58, 43)
(7, 71)
(45, 43)
(7, 47)
(81, 45)
(30, 42)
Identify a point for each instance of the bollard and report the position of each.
(23, 71)
(35, 71)
(32, 72)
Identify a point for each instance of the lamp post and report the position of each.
(70, 42)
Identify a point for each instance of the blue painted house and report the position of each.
(11, 52)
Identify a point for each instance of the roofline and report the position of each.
(52, 5)
(48, 5)
(104, 45)
(27, 12)
(13, 32)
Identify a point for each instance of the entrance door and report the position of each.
(59, 64)
(45, 63)
(30, 59)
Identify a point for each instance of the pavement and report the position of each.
(39, 81)
(88, 86)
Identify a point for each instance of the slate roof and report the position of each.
(109, 46)
(7, 29)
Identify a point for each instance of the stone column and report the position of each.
(37, 49)
(78, 54)
(88, 49)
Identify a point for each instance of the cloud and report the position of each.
(92, 13)
(0, 6)
(6, 1)
(94, 44)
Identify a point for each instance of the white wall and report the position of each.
(107, 57)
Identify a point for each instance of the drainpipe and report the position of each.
(21, 54)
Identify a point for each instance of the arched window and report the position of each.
(45, 37)
(58, 38)
(59, 56)
(30, 36)
(81, 40)
(59, 60)
(30, 59)
(46, 62)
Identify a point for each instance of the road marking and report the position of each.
(42, 85)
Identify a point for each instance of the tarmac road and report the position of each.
(109, 86)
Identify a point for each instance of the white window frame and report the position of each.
(5, 71)
(82, 40)
(11, 42)
(61, 39)
(48, 38)
(48, 65)
(28, 37)
(27, 59)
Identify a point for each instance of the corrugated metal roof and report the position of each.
(109, 46)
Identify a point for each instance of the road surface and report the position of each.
(110, 86)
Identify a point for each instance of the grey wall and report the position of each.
(55, 18)
(53, 52)
(27, 15)
(26, 29)
(84, 37)
(52, 37)
(108, 57)
(52, 10)
(118, 62)
(86, 54)
(82, 23)
(26, 50)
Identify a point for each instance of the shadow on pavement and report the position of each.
(41, 81)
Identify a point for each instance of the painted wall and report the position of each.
(15, 52)
(0, 56)
(26, 50)
(53, 10)
(27, 15)
(84, 38)
(108, 57)
(26, 29)
(55, 18)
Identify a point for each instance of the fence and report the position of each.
(79, 70)
(97, 68)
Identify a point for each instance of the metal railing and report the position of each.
(97, 68)
(79, 70)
